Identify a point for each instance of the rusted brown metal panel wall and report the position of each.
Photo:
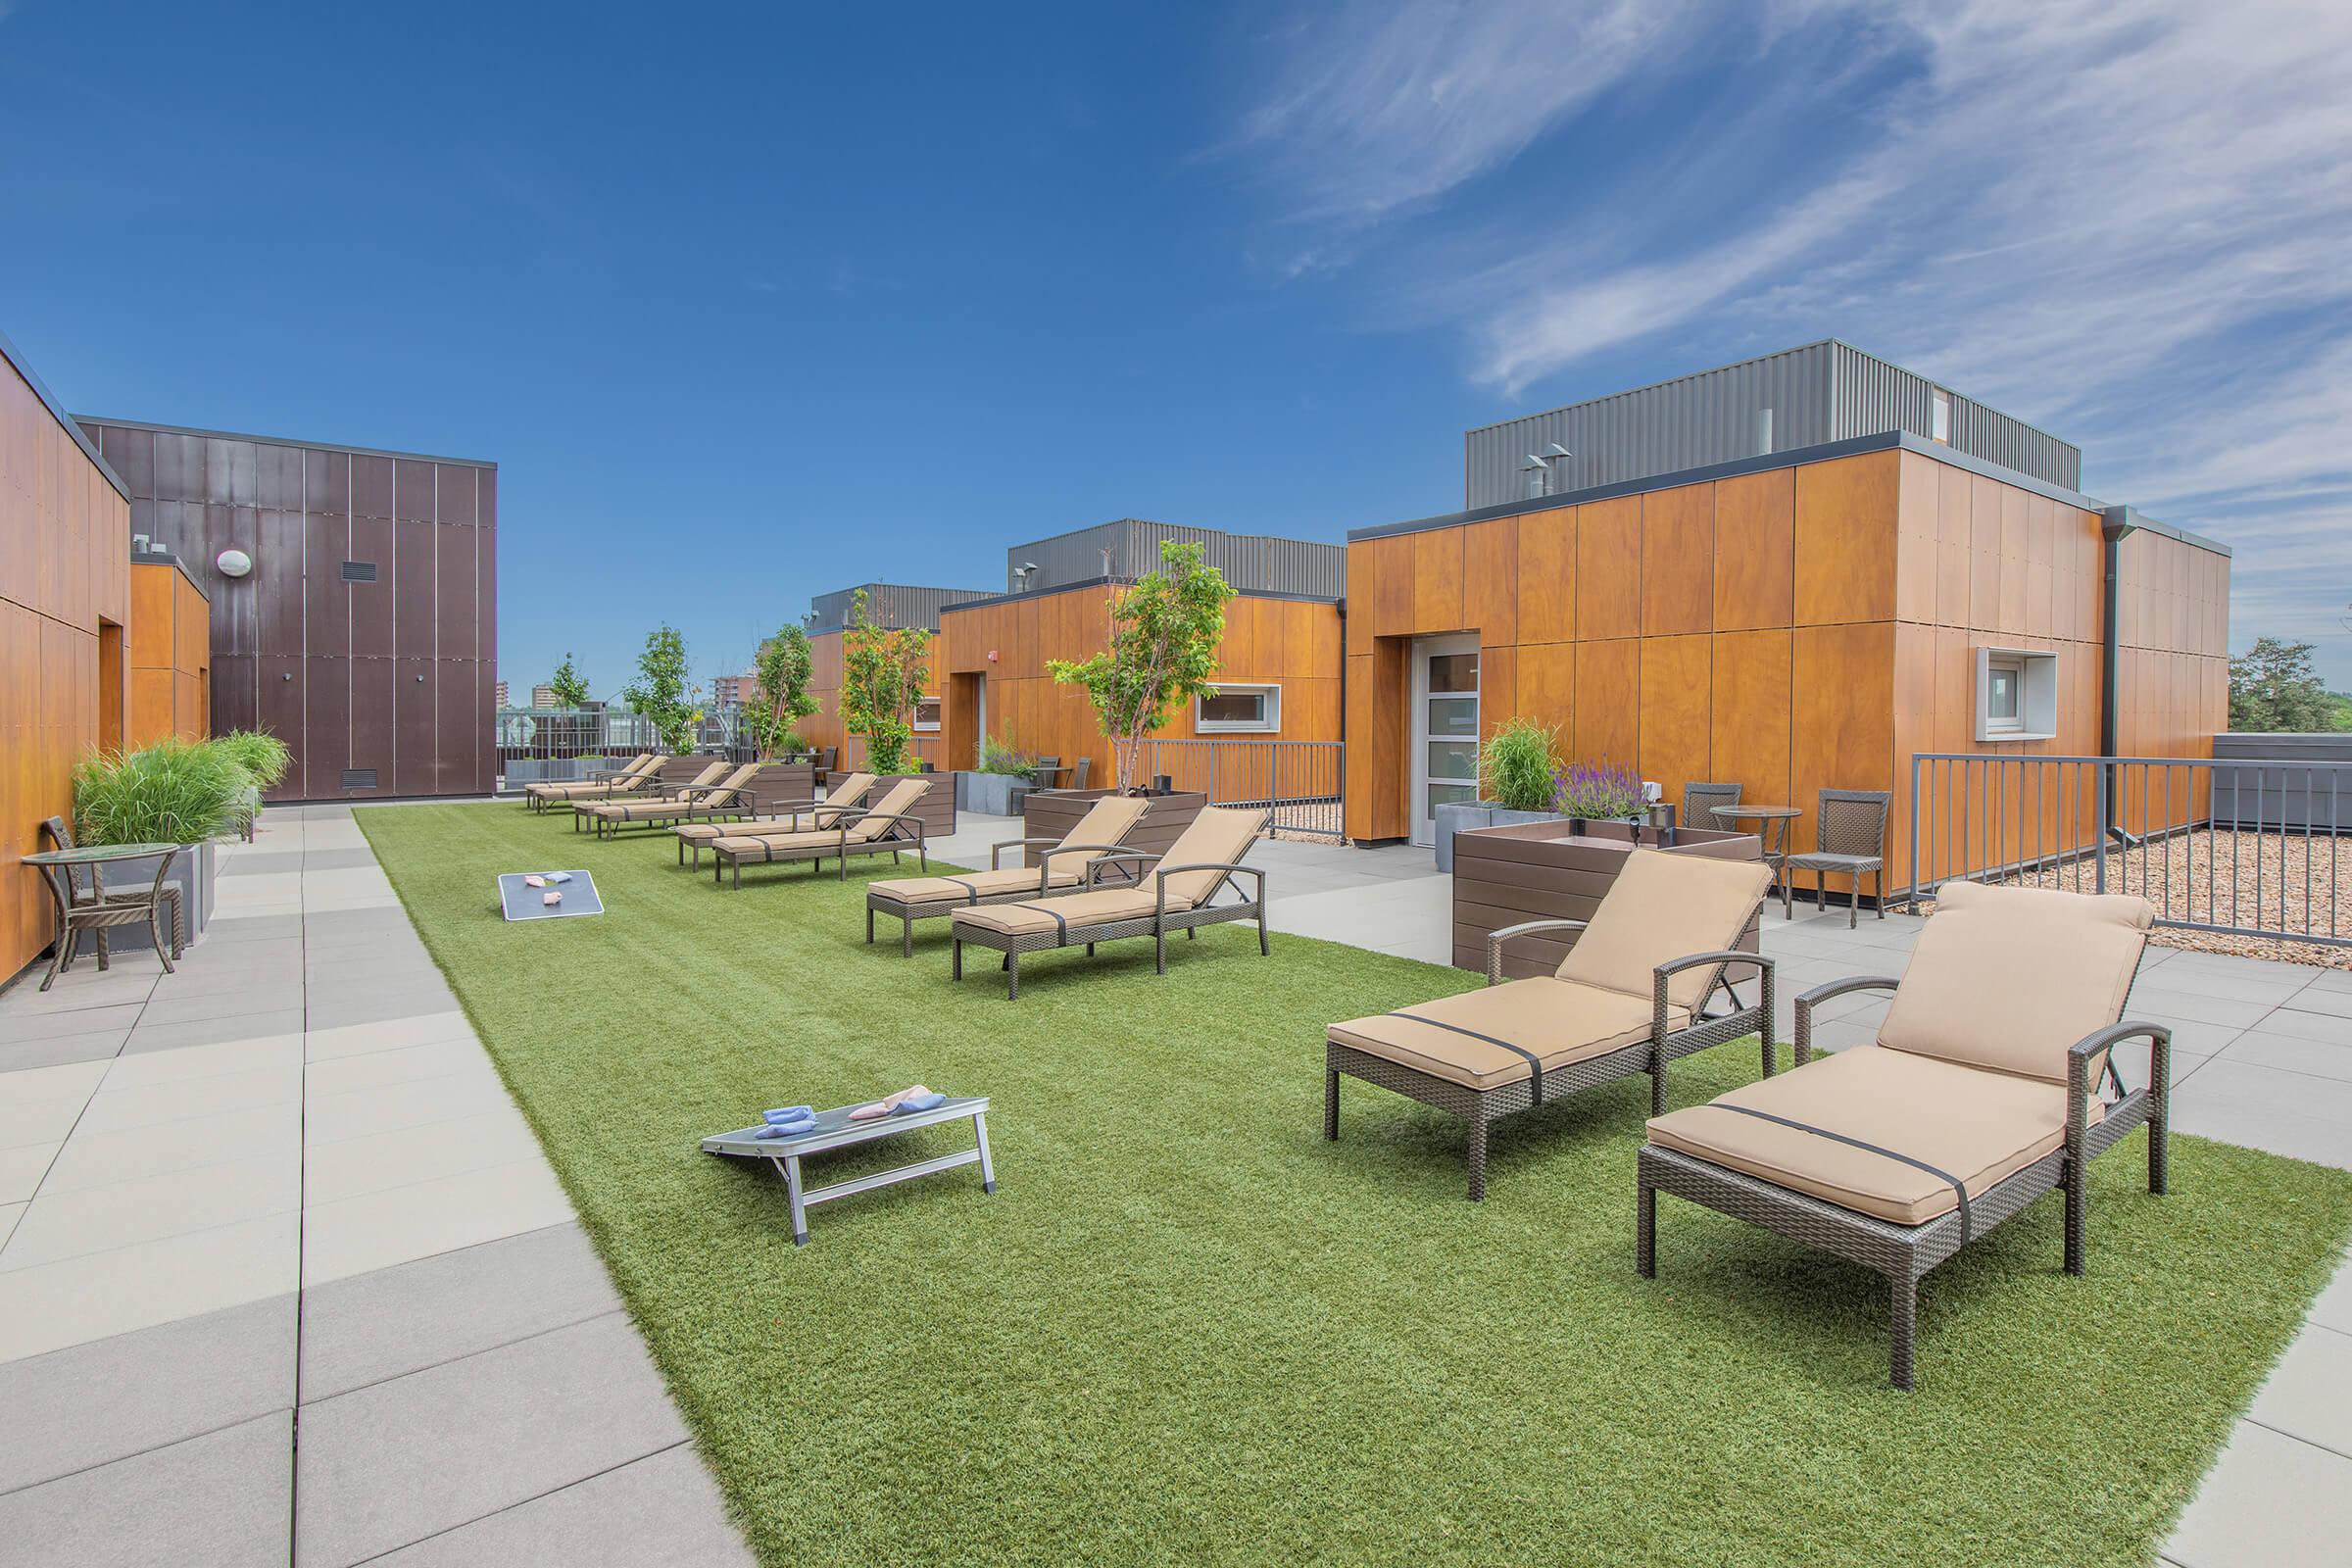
(365, 635)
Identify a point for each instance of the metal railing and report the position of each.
(1300, 782)
(551, 745)
(2245, 847)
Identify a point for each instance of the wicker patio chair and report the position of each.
(1630, 997)
(646, 787)
(824, 764)
(725, 799)
(87, 906)
(1079, 770)
(887, 829)
(1978, 1097)
(1852, 839)
(1054, 863)
(1700, 799)
(600, 783)
(1180, 896)
(790, 816)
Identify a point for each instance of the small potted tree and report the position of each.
(1162, 651)
(882, 675)
(1518, 774)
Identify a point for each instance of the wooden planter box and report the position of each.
(777, 784)
(1550, 872)
(1051, 814)
(936, 806)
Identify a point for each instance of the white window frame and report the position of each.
(1939, 414)
(2036, 671)
(1268, 724)
(932, 728)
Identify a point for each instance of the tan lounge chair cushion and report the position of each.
(1664, 907)
(982, 884)
(1219, 836)
(2008, 978)
(1109, 821)
(1980, 1126)
(899, 800)
(1080, 909)
(580, 787)
(776, 845)
(1558, 1021)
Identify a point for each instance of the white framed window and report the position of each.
(2016, 693)
(1238, 709)
(926, 715)
(1940, 416)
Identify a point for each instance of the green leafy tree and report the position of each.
(568, 684)
(881, 680)
(1164, 633)
(2274, 689)
(782, 700)
(660, 694)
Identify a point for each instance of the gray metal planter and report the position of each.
(1464, 816)
(988, 794)
(193, 869)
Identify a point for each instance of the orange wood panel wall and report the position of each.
(171, 655)
(64, 567)
(1792, 629)
(824, 727)
(1293, 644)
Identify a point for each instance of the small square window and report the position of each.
(1238, 709)
(2017, 694)
(926, 715)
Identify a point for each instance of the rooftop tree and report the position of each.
(660, 694)
(1162, 651)
(882, 673)
(782, 699)
(2274, 689)
(569, 686)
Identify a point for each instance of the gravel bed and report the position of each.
(2240, 878)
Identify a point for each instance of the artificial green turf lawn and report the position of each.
(1185, 1327)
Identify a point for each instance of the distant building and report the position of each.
(543, 696)
(498, 695)
(733, 691)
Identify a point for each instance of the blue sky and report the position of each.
(825, 294)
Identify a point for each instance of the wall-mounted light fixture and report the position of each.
(234, 562)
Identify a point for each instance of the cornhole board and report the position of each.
(522, 903)
(835, 1130)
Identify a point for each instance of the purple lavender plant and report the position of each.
(1596, 790)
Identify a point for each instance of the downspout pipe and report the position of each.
(2115, 526)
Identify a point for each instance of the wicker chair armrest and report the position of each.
(995, 852)
(1495, 940)
(2102, 1041)
(1807, 1000)
(896, 819)
(1139, 859)
(1045, 858)
(1159, 879)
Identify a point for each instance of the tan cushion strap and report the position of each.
(1959, 1188)
(1533, 1065)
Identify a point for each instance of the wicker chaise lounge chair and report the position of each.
(1180, 896)
(1979, 1096)
(1054, 863)
(887, 829)
(646, 789)
(724, 800)
(791, 817)
(1630, 998)
(596, 786)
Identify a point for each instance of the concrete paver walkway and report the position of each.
(284, 1277)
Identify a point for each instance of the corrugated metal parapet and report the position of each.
(889, 604)
(1130, 546)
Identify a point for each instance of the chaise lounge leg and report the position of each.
(905, 936)
(1645, 1232)
(955, 958)
(1853, 908)
(2160, 1116)
(1160, 951)
(2077, 1213)
(1330, 1104)
(1263, 950)
(869, 925)
(1906, 1330)
(1478, 1157)
(1658, 1087)
(1012, 977)
(1877, 888)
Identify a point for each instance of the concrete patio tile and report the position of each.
(106, 1401)
(213, 1031)
(662, 1511)
(22, 1168)
(330, 1042)
(2334, 1308)
(332, 1118)
(2309, 1392)
(2325, 1027)
(257, 995)
(399, 1224)
(1841, 1035)
(80, 989)
(356, 1166)
(2334, 1004)
(128, 1154)
(41, 1104)
(2162, 1002)
(169, 1200)
(2268, 1127)
(396, 1462)
(2337, 980)
(2244, 1083)
(206, 1061)
(376, 1070)
(223, 1497)
(2131, 1060)
(237, 929)
(9, 1214)
(2289, 1053)
(146, 1104)
(2271, 1502)
(2200, 1039)
(2207, 981)
(393, 1321)
(18, 1029)
(194, 984)
(331, 1009)
(58, 1050)
(101, 1294)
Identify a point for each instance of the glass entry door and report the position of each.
(1445, 742)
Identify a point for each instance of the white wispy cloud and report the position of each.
(2126, 221)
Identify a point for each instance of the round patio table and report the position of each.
(1772, 827)
(102, 911)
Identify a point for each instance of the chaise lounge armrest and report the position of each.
(1495, 940)
(995, 852)
(1159, 879)
(1138, 858)
(2080, 1085)
(1045, 858)
(1808, 1000)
